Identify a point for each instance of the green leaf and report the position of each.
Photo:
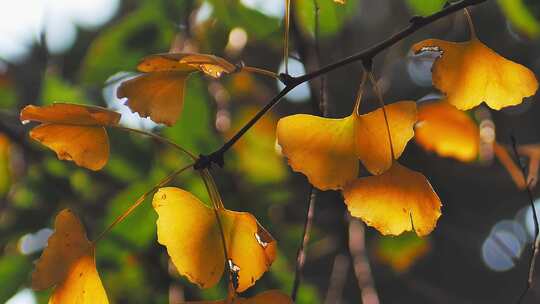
(56, 89)
(234, 14)
(425, 7)
(332, 17)
(145, 31)
(14, 270)
(521, 16)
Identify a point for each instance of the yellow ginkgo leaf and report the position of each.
(396, 201)
(267, 297)
(323, 149)
(159, 92)
(327, 150)
(447, 131)
(470, 73)
(74, 132)
(195, 245)
(372, 143)
(68, 262)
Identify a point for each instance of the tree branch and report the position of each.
(366, 56)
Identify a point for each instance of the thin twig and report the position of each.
(338, 278)
(416, 23)
(362, 270)
(535, 243)
(286, 38)
(301, 253)
(159, 138)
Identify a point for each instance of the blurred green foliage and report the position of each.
(524, 15)
(425, 7)
(332, 17)
(134, 268)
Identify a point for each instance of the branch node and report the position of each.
(287, 79)
(416, 20)
(206, 161)
(367, 63)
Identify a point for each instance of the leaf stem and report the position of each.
(383, 107)
(261, 72)
(286, 35)
(140, 200)
(159, 138)
(217, 205)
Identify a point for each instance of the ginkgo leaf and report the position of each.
(267, 297)
(68, 262)
(195, 245)
(396, 201)
(323, 149)
(447, 131)
(372, 143)
(327, 150)
(74, 132)
(159, 92)
(470, 73)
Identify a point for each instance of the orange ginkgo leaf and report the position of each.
(531, 152)
(447, 131)
(327, 150)
(396, 201)
(195, 245)
(470, 73)
(74, 132)
(267, 297)
(68, 262)
(159, 92)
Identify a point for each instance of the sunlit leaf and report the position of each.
(372, 143)
(68, 263)
(195, 245)
(396, 201)
(159, 92)
(74, 132)
(401, 252)
(327, 150)
(470, 73)
(447, 131)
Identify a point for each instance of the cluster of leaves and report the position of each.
(209, 239)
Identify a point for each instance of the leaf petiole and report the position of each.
(140, 200)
